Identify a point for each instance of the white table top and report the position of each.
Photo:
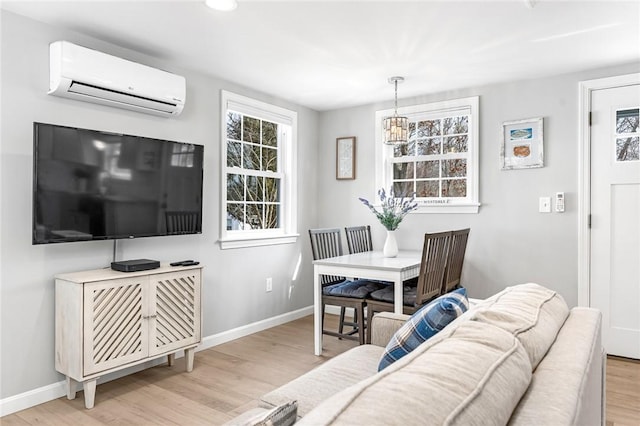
(405, 259)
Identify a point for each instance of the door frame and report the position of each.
(584, 176)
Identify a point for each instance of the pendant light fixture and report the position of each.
(395, 128)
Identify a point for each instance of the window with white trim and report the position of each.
(439, 163)
(258, 173)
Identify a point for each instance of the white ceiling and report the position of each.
(332, 54)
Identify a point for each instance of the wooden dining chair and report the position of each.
(328, 243)
(430, 278)
(358, 238)
(455, 259)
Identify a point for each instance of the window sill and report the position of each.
(469, 208)
(256, 241)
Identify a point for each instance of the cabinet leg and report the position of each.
(171, 358)
(89, 392)
(71, 388)
(188, 355)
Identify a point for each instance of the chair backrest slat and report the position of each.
(432, 266)
(455, 259)
(326, 243)
(359, 239)
(181, 222)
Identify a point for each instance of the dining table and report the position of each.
(369, 265)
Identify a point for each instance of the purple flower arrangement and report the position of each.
(393, 209)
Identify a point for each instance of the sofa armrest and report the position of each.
(384, 325)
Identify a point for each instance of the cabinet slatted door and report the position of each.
(115, 323)
(175, 311)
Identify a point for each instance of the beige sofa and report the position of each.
(520, 357)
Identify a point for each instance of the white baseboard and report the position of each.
(53, 391)
(245, 330)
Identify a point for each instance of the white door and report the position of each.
(615, 217)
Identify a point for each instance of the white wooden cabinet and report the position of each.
(108, 320)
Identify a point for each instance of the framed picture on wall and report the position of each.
(346, 158)
(522, 144)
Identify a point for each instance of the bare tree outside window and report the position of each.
(253, 189)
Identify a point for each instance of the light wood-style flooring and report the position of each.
(228, 379)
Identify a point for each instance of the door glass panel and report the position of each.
(627, 120)
(628, 149)
(628, 134)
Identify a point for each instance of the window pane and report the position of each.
(271, 190)
(428, 169)
(455, 125)
(402, 189)
(234, 154)
(455, 144)
(454, 168)
(233, 125)
(251, 159)
(269, 159)
(627, 120)
(628, 149)
(428, 128)
(412, 130)
(404, 149)
(271, 216)
(429, 146)
(454, 188)
(235, 187)
(254, 188)
(254, 216)
(269, 133)
(403, 171)
(251, 130)
(427, 188)
(235, 216)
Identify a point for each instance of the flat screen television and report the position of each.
(95, 185)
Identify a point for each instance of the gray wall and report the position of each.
(510, 242)
(234, 294)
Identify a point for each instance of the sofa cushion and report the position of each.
(532, 313)
(473, 375)
(423, 324)
(568, 381)
(336, 374)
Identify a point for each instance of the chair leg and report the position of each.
(369, 319)
(356, 324)
(361, 324)
(341, 324)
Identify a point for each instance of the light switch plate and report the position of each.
(545, 205)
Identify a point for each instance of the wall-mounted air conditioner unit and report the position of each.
(88, 75)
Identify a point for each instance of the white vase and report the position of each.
(390, 248)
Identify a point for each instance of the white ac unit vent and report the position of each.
(88, 75)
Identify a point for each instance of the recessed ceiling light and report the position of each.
(224, 5)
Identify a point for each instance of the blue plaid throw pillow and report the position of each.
(425, 323)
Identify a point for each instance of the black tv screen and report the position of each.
(94, 185)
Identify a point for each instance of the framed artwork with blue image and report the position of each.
(522, 144)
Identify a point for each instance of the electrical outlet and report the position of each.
(269, 284)
(544, 205)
